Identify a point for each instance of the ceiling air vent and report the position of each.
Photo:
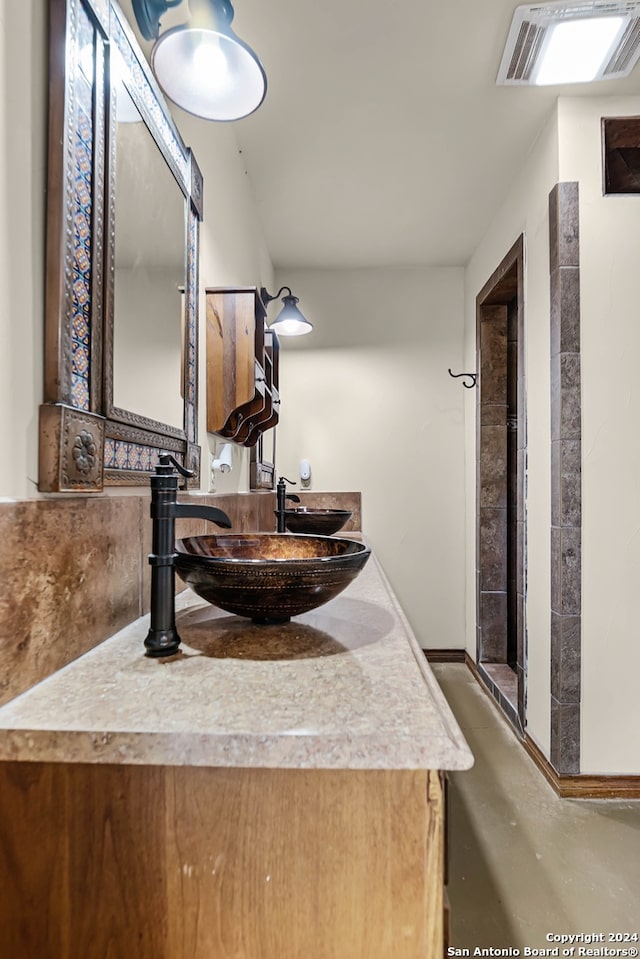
(525, 51)
(626, 52)
(532, 27)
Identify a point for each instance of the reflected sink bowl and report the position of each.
(315, 521)
(268, 577)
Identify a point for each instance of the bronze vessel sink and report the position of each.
(324, 522)
(268, 577)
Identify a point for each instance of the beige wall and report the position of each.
(610, 346)
(525, 210)
(367, 399)
(23, 94)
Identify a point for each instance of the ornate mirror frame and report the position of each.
(86, 442)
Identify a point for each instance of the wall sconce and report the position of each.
(289, 321)
(224, 460)
(202, 65)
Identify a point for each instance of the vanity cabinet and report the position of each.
(242, 366)
(269, 793)
(134, 862)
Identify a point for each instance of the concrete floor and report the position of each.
(522, 862)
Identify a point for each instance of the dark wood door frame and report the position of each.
(501, 444)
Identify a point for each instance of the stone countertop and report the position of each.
(343, 687)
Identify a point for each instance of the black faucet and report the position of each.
(282, 497)
(162, 638)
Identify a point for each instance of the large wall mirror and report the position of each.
(124, 204)
(149, 273)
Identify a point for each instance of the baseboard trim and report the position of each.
(580, 786)
(583, 786)
(445, 655)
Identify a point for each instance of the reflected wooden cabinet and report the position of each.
(242, 366)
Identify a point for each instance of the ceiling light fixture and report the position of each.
(289, 321)
(577, 41)
(202, 65)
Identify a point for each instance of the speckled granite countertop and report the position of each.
(343, 687)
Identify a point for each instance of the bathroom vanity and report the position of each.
(270, 792)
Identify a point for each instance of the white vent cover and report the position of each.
(530, 26)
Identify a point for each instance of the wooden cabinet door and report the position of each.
(144, 862)
(242, 367)
(234, 341)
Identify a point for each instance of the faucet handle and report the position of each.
(283, 479)
(166, 463)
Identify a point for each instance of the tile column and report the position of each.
(566, 496)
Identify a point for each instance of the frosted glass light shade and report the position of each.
(211, 74)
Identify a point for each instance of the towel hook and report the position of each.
(472, 376)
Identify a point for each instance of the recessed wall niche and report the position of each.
(621, 155)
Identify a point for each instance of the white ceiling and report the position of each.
(383, 139)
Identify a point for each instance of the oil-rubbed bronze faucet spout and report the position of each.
(281, 499)
(162, 638)
(212, 513)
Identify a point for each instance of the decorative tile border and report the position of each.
(566, 486)
(122, 455)
(80, 258)
(148, 100)
(191, 332)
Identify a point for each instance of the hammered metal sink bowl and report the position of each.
(268, 577)
(305, 519)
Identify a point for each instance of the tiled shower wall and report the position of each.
(491, 510)
(75, 570)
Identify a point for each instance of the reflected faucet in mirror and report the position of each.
(162, 638)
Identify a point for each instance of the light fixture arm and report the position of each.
(221, 10)
(267, 297)
(148, 14)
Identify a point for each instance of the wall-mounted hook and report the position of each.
(472, 376)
